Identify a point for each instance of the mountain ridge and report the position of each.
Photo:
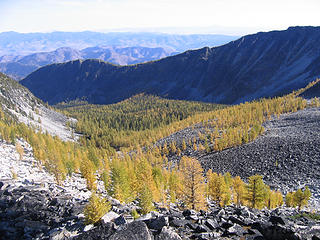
(265, 64)
(19, 67)
(13, 43)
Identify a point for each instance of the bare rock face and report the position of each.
(24, 106)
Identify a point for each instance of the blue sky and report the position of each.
(184, 16)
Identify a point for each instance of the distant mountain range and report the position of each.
(19, 67)
(13, 43)
(259, 65)
(21, 54)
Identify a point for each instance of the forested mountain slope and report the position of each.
(114, 124)
(259, 65)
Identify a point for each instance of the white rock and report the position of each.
(88, 227)
(81, 215)
(155, 214)
(115, 202)
(145, 217)
(108, 217)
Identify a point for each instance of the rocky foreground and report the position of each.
(31, 212)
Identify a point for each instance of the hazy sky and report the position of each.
(221, 16)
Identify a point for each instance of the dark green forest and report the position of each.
(102, 124)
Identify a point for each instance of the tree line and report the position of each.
(188, 186)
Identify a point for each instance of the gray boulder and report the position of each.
(133, 231)
(157, 223)
(168, 234)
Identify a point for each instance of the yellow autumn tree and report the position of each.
(256, 191)
(301, 198)
(145, 178)
(174, 185)
(239, 190)
(20, 150)
(87, 171)
(279, 198)
(165, 150)
(193, 187)
(173, 148)
(160, 180)
(119, 186)
(289, 199)
(273, 199)
(96, 208)
(183, 145)
(218, 190)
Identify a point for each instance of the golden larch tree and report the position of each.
(218, 190)
(193, 187)
(256, 191)
(239, 190)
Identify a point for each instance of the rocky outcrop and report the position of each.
(20, 103)
(32, 205)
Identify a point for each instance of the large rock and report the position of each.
(157, 223)
(275, 232)
(177, 223)
(133, 231)
(277, 220)
(235, 230)
(120, 220)
(236, 220)
(212, 224)
(101, 232)
(109, 216)
(168, 234)
(202, 229)
(187, 213)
